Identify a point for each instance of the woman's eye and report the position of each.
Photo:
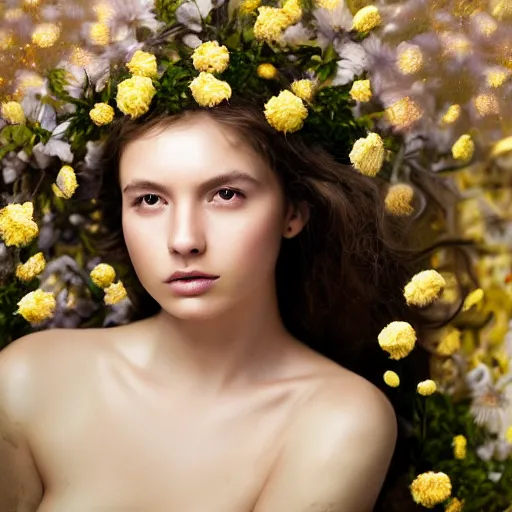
(150, 199)
(228, 194)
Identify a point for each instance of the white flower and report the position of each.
(192, 41)
(134, 13)
(191, 14)
(36, 111)
(297, 35)
(13, 164)
(352, 62)
(497, 449)
(94, 152)
(96, 71)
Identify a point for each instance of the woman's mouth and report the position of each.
(191, 286)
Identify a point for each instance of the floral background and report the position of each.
(403, 89)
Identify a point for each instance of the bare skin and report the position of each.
(209, 406)
(91, 422)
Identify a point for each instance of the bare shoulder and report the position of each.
(337, 450)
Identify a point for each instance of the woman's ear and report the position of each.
(296, 218)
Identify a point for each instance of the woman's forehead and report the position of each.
(194, 148)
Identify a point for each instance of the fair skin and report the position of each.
(210, 405)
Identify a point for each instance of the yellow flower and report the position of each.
(99, 34)
(143, 64)
(31, 268)
(455, 505)
(286, 112)
(398, 199)
(463, 148)
(45, 35)
(368, 154)
(66, 182)
(450, 343)
(424, 288)
(486, 104)
(101, 114)
(410, 59)
(13, 113)
(37, 306)
(211, 57)
(497, 78)
(267, 71)
(330, 5)
(508, 435)
(430, 489)
(459, 447)
(292, 9)
(391, 379)
(474, 298)
(270, 24)
(366, 19)
(304, 89)
(248, 6)
(398, 339)
(103, 11)
(452, 114)
(134, 95)
(115, 293)
(403, 113)
(16, 224)
(361, 91)
(103, 275)
(6, 40)
(426, 387)
(208, 91)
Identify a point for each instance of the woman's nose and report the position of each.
(186, 235)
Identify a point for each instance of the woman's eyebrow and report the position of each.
(215, 181)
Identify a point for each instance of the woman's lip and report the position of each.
(192, 286)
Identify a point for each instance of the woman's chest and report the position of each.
(130, 452)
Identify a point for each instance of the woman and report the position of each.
(267, 270)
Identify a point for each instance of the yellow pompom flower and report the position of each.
(31, 268)
(368, 154)
(66, 182)
(426, 387)
(270, 24)
(37, 306)
(13, 113)
(403, 113)
(45, 35)
(424, 288)
(304, 89)
(99, 34)
(209, 91)
(452, 114)
(115, 293)
(366, 19)
(267, 71)
(101, 114)
(497, 78)
(450, 343)
(463, 148)
(16, 225)
(248, 6)
(430, 489)
(455, 505)
(398, 199)
(391, 379)
(508, 435)
(398, 339)
(459, 447)
(361, 91)
(286, 112)
(103, 275)
(330, 5)
(211, 57)
(473, 299)
(410, 59)
(134, 95)
(292, 9)
(143, 64)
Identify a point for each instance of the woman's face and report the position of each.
(197, 198)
